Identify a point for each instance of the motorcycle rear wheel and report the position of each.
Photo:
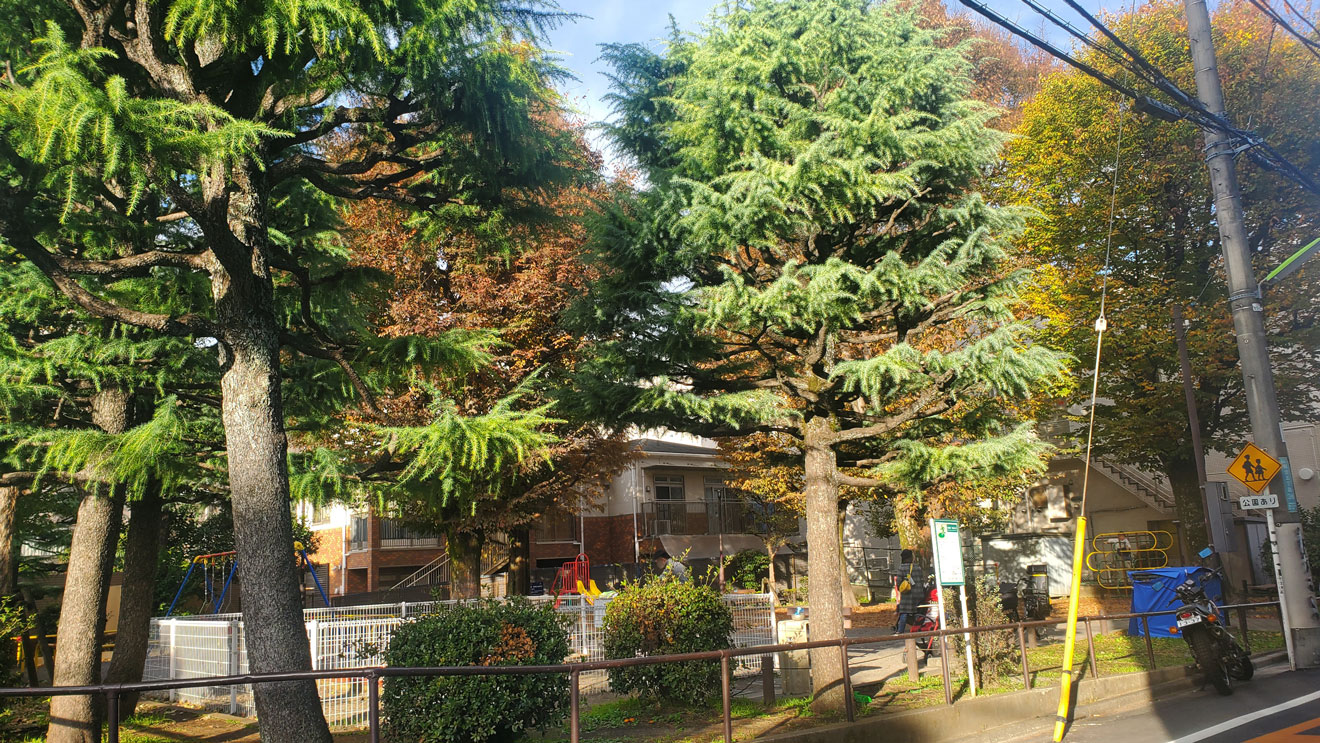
(1216, 672)
(1243, 670)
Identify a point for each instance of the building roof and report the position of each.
(656, 446)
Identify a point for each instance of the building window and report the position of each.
(358, 534)
(557, 526)
(716, 490)
(395, 534)
(669, 487)
(321, 513)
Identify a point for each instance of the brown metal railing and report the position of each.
(699, 518)
(373, 676)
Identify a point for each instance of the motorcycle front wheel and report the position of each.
(1216, 672)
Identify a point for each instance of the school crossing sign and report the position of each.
(1254, 468)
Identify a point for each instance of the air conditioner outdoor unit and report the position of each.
(664, 526)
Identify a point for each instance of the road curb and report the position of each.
(977, 715)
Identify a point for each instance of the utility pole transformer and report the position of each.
(1244, 298)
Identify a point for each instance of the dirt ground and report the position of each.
(162, 723)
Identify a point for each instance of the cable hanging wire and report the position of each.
(1311, 46)
(1186, 109)
(1079, 538)
(1301, 15)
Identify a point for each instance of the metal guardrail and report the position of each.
(374, 675)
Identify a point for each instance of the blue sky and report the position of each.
(647, 21)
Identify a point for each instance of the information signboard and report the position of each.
(948, 552)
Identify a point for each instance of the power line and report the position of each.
(1085, 38)
(1273, 15)
(1249, 143)
(1301, 15)
(1164, 84)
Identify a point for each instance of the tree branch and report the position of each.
(130, 264)
(20, 236)
(308, 347)
(906, 415)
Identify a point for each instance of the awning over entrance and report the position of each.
(708, 546)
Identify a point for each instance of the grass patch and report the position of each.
(1118, 652)
(147, 720)
(1115, 653)
(628, 712)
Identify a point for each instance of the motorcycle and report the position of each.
(1217, 653)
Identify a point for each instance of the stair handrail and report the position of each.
(1159, 490)
(425, 571)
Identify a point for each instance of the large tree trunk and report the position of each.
(770, 550)
(137, 600)
(849, 598)
(253, 413)
(1188, 502)
(464, 564)
(520, 561)
(9, 571)
(8, 553)
(823, 579)
(76, 719)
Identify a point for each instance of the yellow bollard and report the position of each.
(1065, 691)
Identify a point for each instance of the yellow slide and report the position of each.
(588, 595)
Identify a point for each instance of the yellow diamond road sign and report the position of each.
(1254, 468)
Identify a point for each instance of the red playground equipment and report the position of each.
(574, 578)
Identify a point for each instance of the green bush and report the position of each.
(995, 653)
(476, 708)
(664, 616)
(748, 568)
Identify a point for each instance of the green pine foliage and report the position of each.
(136, 141)
(810, 243)
(456, 454)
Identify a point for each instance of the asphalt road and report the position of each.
(1277, 706)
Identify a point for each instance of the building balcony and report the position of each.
(699, 518)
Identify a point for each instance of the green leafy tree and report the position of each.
(101, 425)
(809, 257)
(181, 142)
(1165, 248)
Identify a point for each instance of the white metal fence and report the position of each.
(354, 637)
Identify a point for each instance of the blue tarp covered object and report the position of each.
(1152, 590)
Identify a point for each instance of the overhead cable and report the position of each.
(1187, 108)
(1264, 7)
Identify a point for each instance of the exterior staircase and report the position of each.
(1153, 490)
(437, 572)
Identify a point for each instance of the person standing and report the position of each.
(909, 597)
(666, 564)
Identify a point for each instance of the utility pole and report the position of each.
(1189, 393)
(1209, 498)
(1291, 574)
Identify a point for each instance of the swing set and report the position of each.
(214, 570)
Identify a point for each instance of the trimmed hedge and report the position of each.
(665, 616)
(476, 708)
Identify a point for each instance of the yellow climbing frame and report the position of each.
(1114, 553)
